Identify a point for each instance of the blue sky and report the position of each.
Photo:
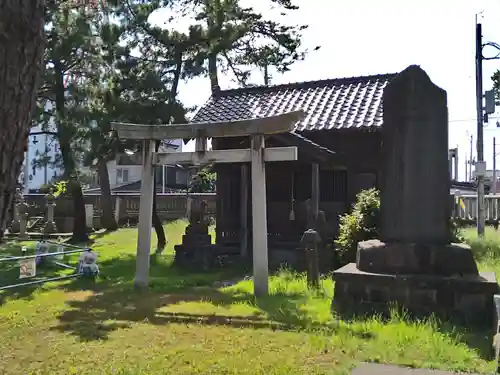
(361, 37)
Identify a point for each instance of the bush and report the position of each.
(360, 224)
(456, 233)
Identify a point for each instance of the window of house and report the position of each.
(333, 186)
(171, 176)
(121, 175)
(159, 174)
(302, 183)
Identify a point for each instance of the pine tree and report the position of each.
(71, 57)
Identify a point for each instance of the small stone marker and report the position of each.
(89, 216)
(59, 249)
(27, 268)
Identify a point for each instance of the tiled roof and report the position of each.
(135, 187)
(354, 102)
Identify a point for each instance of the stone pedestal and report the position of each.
(191, 253)
(453, 259)
(461, 299)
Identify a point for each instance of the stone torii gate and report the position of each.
(257, 155)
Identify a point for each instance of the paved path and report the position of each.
(376, 369)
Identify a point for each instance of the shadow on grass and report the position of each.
(98, 235)
(114, 299)
(87, 319)
(480, 340)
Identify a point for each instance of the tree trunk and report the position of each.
(161, 239)
(75, 190)
(65, 135)
(21, 58)
(108, 221)
(213, 74)
(80, 223)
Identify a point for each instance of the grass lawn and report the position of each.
(191, 324)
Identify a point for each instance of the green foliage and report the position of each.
(456, 232)
(203, 181)
(58, 188)
(242, 38)
(360, 224)
(486, 249)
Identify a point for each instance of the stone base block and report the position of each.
(204, 257)
(461, 299)
(376, 256)
(199, 238)
(197, 229)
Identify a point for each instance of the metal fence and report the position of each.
(28, 264)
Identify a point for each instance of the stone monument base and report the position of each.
(375, 256)
(191, 253)
(461, 299)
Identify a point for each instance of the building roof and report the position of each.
(354, 102)
(135, 187)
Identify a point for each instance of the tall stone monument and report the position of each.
(414, 264)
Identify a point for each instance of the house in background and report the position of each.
(125, 173)
(488, 180)
(125, 170)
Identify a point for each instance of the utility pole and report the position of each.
(480, 165)
(494, 183)
(466, 162)
(470, 158)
